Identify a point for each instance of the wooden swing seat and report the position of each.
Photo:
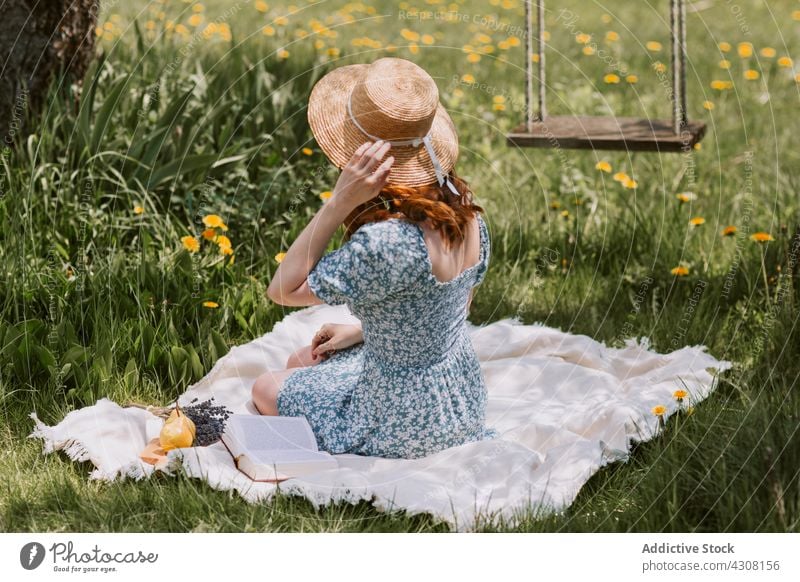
(607, 133)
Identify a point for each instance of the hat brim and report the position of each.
(339, 137)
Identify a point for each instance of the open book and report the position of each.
(274, 448)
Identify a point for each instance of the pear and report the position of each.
(178, 431)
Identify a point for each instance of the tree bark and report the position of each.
(40, 39)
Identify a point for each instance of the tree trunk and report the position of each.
(38, 40)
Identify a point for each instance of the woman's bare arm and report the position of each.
(356, 184)
(289, 285)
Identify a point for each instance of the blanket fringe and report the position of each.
(77, 451)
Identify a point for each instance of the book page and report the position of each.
(271, 433)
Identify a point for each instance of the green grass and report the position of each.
(99, 301)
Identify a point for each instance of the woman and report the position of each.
(406, 382)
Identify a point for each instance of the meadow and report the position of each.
(141, 224)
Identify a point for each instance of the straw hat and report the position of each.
(391, 99)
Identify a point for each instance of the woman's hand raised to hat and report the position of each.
(364, 175)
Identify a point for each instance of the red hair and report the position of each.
(447, 212)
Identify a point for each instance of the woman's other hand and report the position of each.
(364, 175)
(333, 337)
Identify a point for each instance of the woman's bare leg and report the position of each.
(302, 357)
(268, 385)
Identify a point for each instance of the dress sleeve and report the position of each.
(375, 262)
(486, 250)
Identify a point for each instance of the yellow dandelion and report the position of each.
(196, 20)
(190, 243)
(513, 41)
(583, 38)
(724, 47)
(280, 256)
(225, 251)
(283, 54)
(632, 79)
(659, 67)
(587, 50)
(630, 183)
(761, 237)
(326, 195)
(721, 85)
(729, 231)
(612, 36)
(679, 395)
(467, 78)
(413, 48)
(680, 271)
(427, 39)
(555, 205)
(698, 146)
(745, 49)
(708, 105)
(261, 6)
(210, 304)
(611, 78)
(768, 52)
(751, 74)
(686, 196)
(268, 31)
(565, 213)
(498, 107)
(653, 46)
(308, 151)
(621, 176)
(409, 35)
(659, 410)
(214, 221)
(785, 62)
(697, 221)
(138, 209)
(473, 57)
(606, 18)
(333, 51)
(535, 57)
(222, 241)
(281, 21)
(724, 64)
(209, 234)
(603, 166)
(796, 15)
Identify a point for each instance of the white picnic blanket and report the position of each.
(564, 404)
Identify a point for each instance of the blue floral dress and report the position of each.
(414, 386)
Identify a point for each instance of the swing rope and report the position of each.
(678, 41)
